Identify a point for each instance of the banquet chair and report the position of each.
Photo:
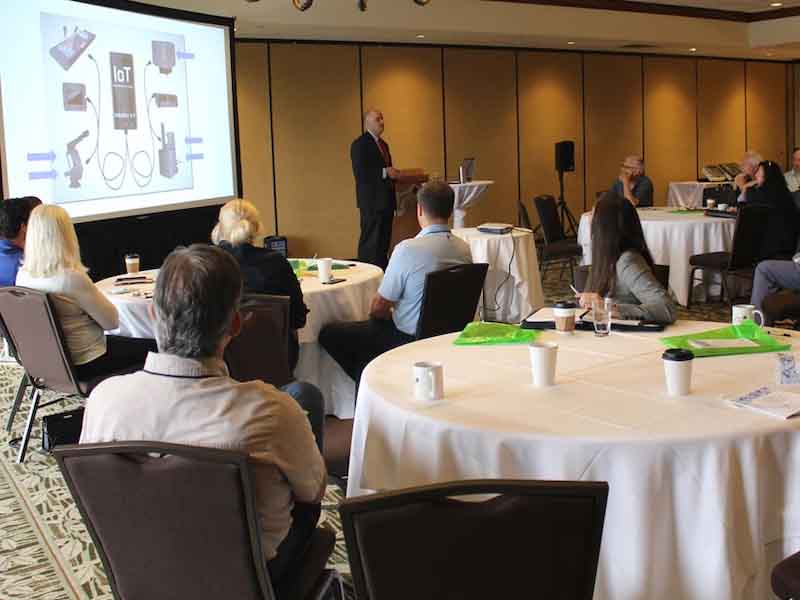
(782, 306)
(35, 332)
(450, 299)
(261, 350)
(530, 539)
(748, 235)
(523, 217)
(786, 578)
(24, 382)
(173, 521)
(557, 248)
(661, 273)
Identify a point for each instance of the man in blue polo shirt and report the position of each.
(14, 214)
(395, 309)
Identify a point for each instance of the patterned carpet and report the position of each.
(46, 552)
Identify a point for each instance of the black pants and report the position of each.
(292, 549)
(121, 353)
(354, 345)
(376, 235)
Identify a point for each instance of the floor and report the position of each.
(45, 551)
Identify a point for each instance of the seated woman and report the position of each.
(52, 264)
(264, 271)
(622, 267)
(780, 239)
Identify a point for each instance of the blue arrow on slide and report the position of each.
(185, 55)
(194, 140)
(34, 156)
(194, 157)
(51, 174)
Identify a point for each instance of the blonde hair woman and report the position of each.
(263, 271)
(53, 264)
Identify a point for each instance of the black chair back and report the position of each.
(748, 236)
(523, 218)
(169, 521)
(261, 350)
(547, 209)
(661, 273)
(450, 299)
(534, 539)
(33, 330)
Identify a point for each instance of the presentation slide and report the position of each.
(113, 113)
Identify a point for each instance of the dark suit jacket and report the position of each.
(373, 193)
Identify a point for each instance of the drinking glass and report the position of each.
(601, 315)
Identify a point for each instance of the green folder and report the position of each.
(303, 265)
(480, 333)
(748, 330)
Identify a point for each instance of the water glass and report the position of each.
(601, 315)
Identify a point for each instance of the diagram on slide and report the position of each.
(117, 111)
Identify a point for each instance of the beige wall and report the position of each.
(670, 122)
(680, 113)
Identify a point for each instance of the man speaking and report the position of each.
(375, 193)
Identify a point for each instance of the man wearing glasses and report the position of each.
(633, 184)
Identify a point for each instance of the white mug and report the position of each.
(740, 312)
(324, 269)
(543, 363)
(428, 381)
(722, 206)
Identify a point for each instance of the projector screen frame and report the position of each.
(178, 15)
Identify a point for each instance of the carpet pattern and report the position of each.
(45, 550)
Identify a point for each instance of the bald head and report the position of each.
(373, 122)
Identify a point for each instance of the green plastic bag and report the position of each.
(480, 333)
(748, 330)
(687, 211)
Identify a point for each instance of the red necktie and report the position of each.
(384, 153)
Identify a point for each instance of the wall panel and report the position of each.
(255, 143)
(406, 84)
(550, 110)
(481, 119)
(316, 115)
(766, 109)
(720, 111)
(613, 107)
(670, 122)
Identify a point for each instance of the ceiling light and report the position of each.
(302, 4)
(776, 4)
(692, 49)
(570, 43)
(420, 36)
(421, 2)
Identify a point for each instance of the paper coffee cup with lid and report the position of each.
(564, 316)
(678, 371)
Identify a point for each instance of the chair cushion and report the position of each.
(711, 260)
(786, 578)
(562, 249)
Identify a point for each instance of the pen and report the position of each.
(572, 287)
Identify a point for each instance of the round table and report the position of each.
(673, 237)
(513, 287)
(346, 301)
(702, 501)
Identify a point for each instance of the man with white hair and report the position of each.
(793, 176)
(633, 184)
(747, 178)
(375, 192)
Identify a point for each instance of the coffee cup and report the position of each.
(324, 269)
(131, 263)
(428, 381)
(740, 312)
(543, 363)
(678, 371)
(711, 203)
(722, 207)
(564, 316)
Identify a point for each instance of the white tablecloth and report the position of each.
(688, 194)
(346, 301)
(510, 293)
(704, 498)
(467, 195)
(672, 240)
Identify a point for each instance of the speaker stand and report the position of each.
(568, 223)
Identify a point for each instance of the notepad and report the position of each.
(732, 343)
(768, 401)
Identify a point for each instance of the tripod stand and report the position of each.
(568, 223)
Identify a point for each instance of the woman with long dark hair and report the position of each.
(780, 239)
(622, 267)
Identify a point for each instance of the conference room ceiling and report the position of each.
(516, 24)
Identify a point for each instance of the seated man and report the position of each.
(793, 176)
(772, 276)
(746, 180)
(185, 396)
(633, 184)
(14, 214)
(395, 308)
